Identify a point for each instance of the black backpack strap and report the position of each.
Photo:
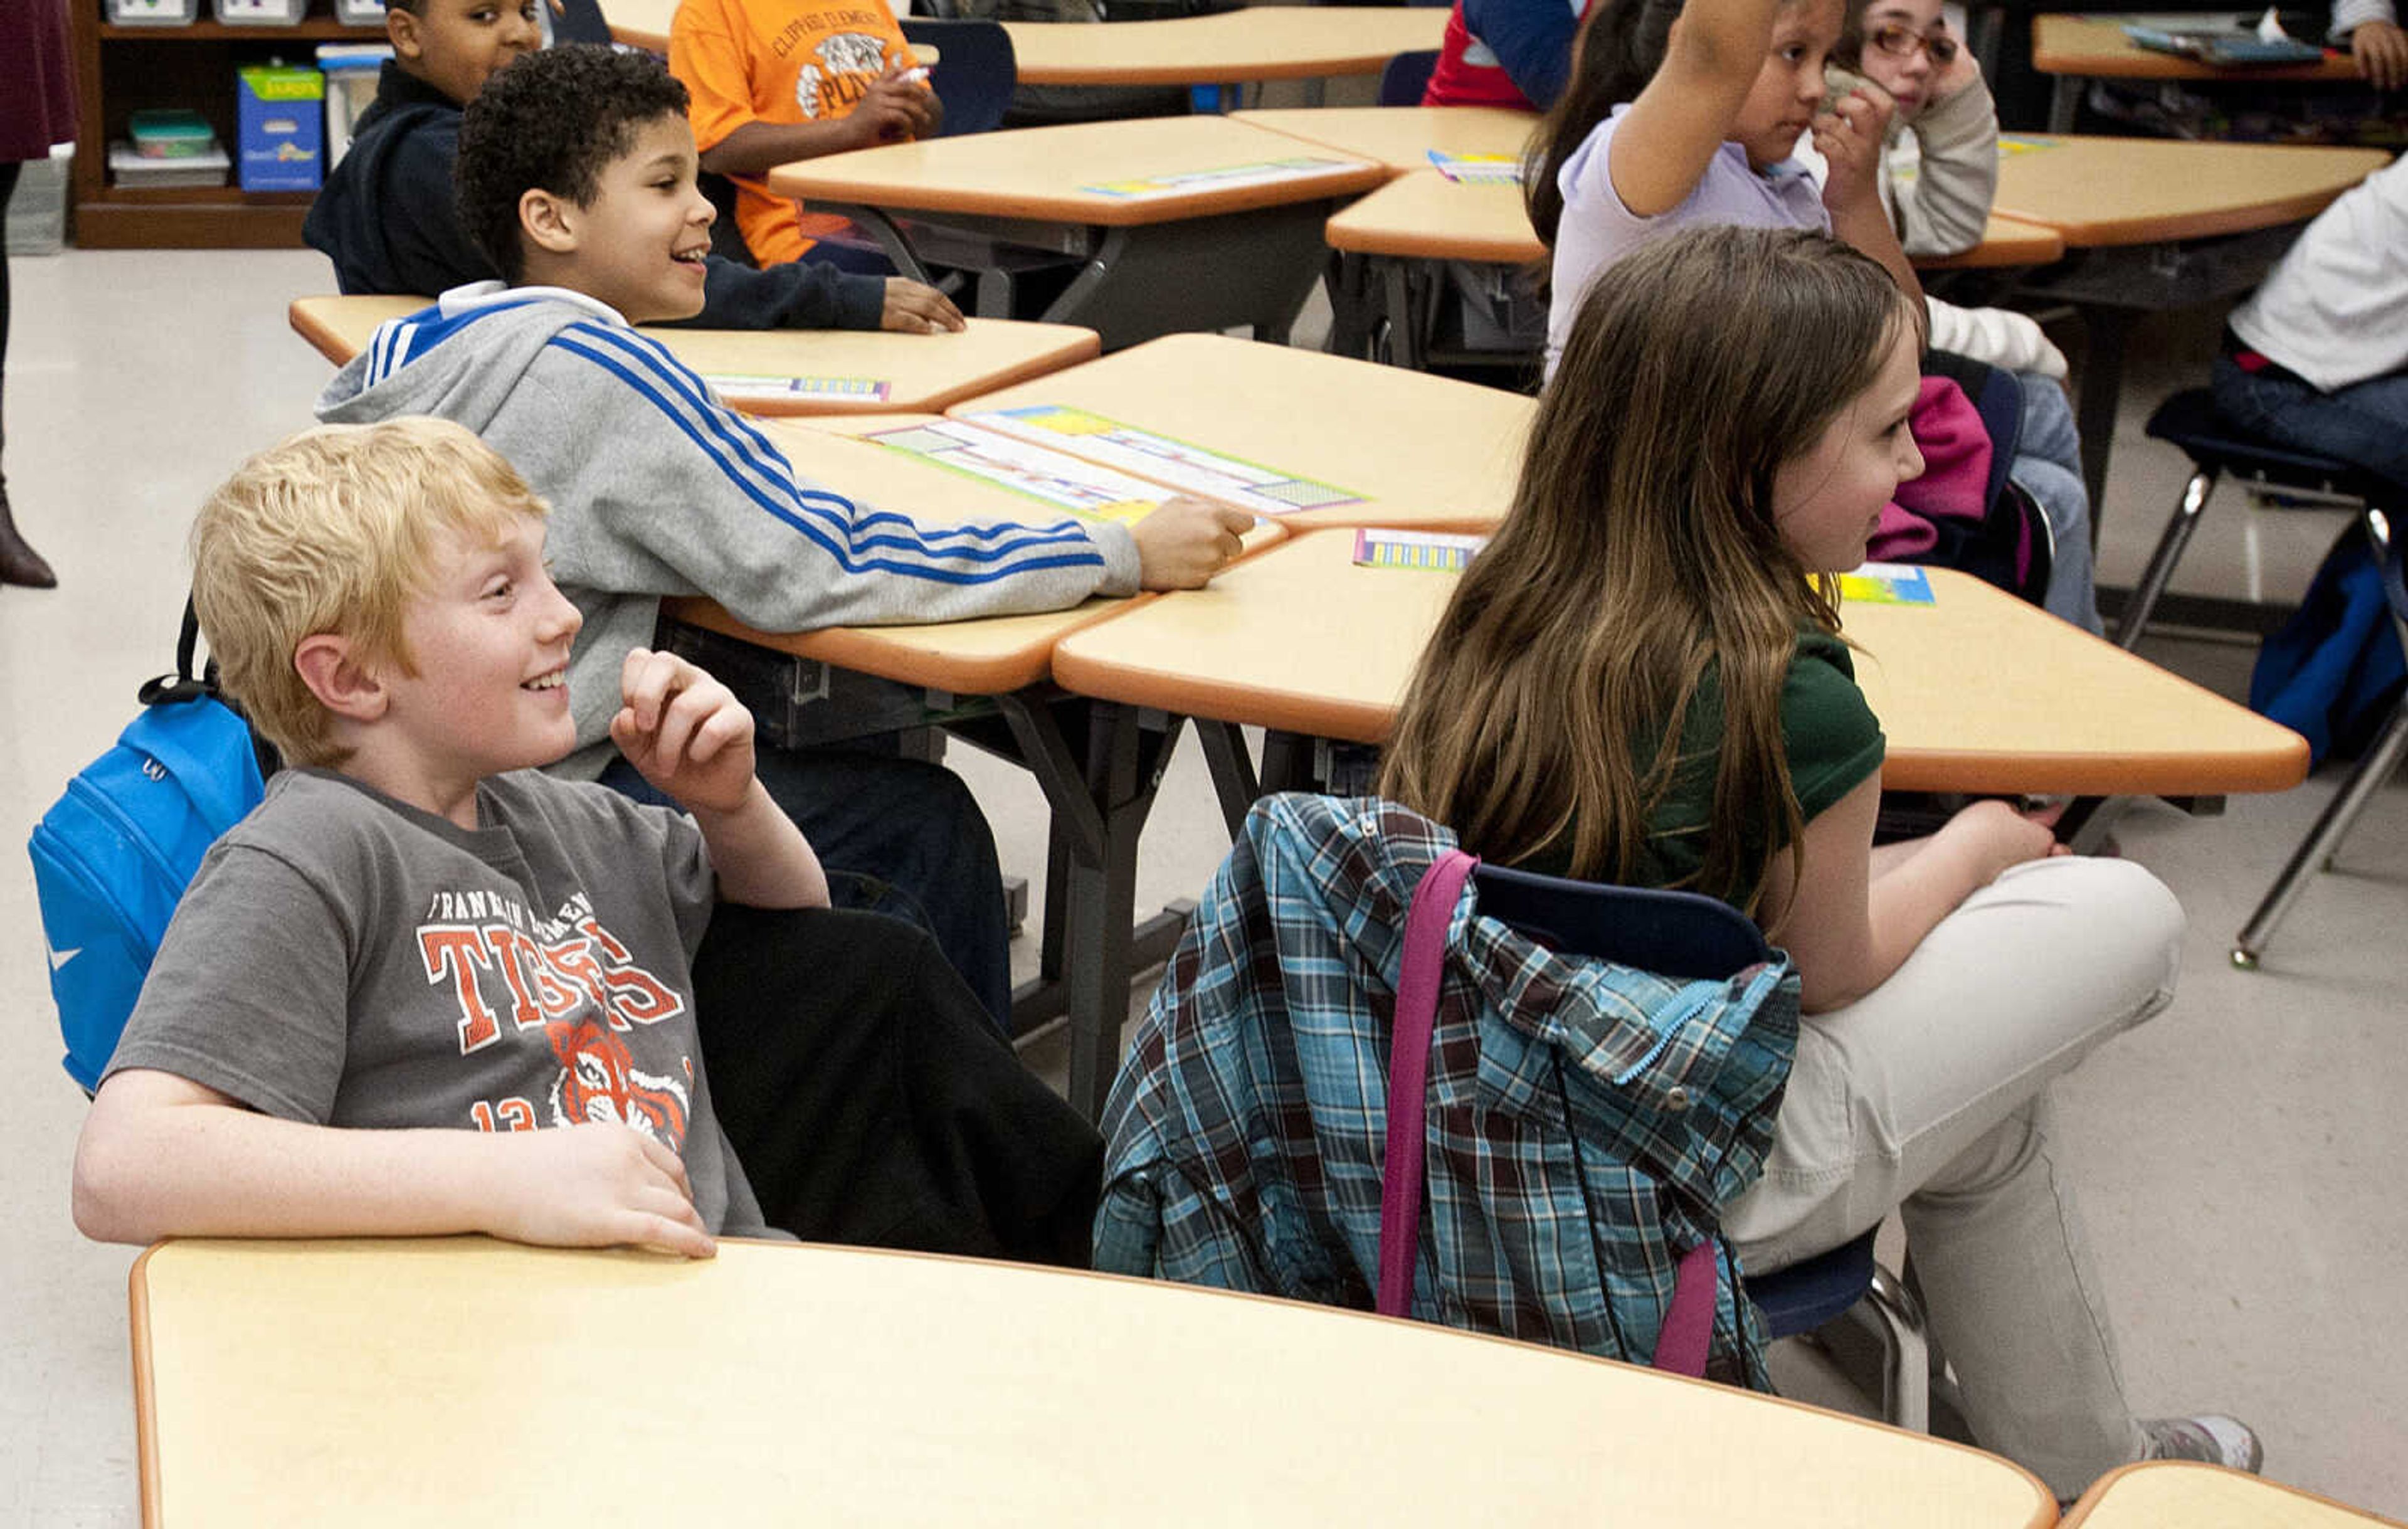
(185, 684)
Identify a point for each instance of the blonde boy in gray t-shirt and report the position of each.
(424, 988)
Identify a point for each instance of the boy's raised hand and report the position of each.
(596, 1184)
(683, 730)
(915, 307)
(1849, 138)
(1187, 541)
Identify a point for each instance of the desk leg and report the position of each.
(1233, 771)
(1099, 809)
(1352, 311)
(2064, 99)
(2103, 387)
(1404, 314)
(891, 239)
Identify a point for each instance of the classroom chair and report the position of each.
(975, 73)
(1407, 75)
(1680, 934)
(2217, 447)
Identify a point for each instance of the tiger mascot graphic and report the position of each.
(598, 1081)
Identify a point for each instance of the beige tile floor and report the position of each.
(2236, 1151)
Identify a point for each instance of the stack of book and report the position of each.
(168, 148)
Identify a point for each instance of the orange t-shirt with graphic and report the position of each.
(779, 61)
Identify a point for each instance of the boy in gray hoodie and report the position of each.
(577, 176)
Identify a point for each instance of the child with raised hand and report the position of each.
(1682, 116)
(1939, 174)
(1640, 680)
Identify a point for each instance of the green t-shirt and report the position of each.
(1833, 740)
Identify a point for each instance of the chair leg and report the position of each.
(1906, 1355)
(2316, 851)
(2179, 527)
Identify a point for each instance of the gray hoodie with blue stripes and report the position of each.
(658, 489)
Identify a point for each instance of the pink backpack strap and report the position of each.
(1409, 1047)
(1682, 1343)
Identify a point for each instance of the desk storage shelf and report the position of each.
(120, 69)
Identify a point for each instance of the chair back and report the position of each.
(1407, 75)
(975, 73)
(579, 20)
(1677, 935)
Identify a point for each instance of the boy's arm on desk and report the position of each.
(162, 1156)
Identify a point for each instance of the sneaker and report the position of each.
(2210, 1437)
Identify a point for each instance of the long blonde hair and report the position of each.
(1546, 715)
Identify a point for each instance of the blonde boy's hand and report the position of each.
(915, 307)
(2381, 49)
(683, 732)
(598, 1185)
(1849, 138)
(1184, 543)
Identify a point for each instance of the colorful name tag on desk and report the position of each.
(1180, 463)
(1185, 182)
(735, 387)
(1478, 169)
(1426, 551)
(1886, 584)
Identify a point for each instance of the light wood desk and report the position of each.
(642, 23)
(1408, 448)
(840, 372)
(1976, 692)
(1177, 222)
(2128, 208)
(1403, 138)
(1260, 42)
(409, 1382)
(2176, 1495)
(2080, 47)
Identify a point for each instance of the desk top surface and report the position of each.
(1300, 639)
(1259, 42)
(2095, 47)
(1394, 447)
(1422, 215)
(390, 1382)
(1403, 138)
(2109, 191)
(981, 657)
(1152, 169)
(792, 371)
(2177, 1495)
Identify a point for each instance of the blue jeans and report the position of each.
(895, 836)
(2365, 423)
(2048, 466)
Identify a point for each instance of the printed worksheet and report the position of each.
(1180, 183)
(1478, 169)
(1056, 478)
(1180, 463)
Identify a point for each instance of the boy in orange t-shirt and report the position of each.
(776, 81)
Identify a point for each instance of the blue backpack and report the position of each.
(113, 857)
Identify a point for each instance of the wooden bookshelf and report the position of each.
(123, 70)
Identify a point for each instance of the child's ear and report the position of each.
(335, 672)
(401, 30)
(548, 220)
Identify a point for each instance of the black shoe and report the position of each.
(20, 564)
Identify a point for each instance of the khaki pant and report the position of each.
(1929, 1094)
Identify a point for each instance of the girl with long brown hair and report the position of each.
(1640, 679)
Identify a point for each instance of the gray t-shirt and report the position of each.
(345, 959)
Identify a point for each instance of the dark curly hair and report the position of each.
(551, 120)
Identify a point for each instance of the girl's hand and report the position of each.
(683, 730)
(596, 1184)
(1997, 836)
(1849, 138)
(1961, 71)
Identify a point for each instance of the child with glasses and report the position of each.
(1941, 163)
